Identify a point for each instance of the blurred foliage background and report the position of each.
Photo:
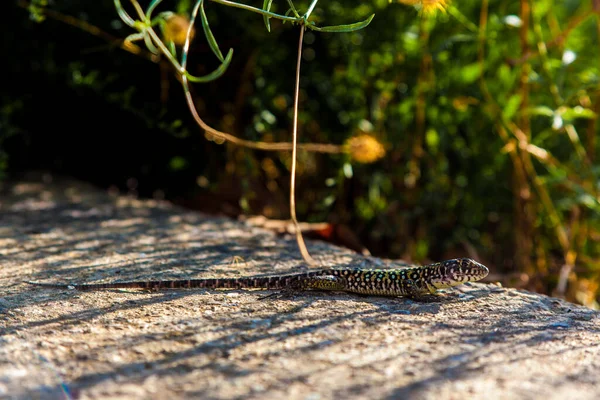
(488, 114)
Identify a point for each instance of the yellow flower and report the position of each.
(427, 6)
(176, 28)
(364, 148)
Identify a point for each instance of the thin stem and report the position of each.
(546, 67)
(151, 36)
(293, 8)
(460, 17)
(164, 50)
(123, 14)
(257, 10)
(299, 237)
(310, 9)
(151, 7)
(188, 36)
(574, 23)
(139, 10)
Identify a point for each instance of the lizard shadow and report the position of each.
(425, 304)
(441, 297)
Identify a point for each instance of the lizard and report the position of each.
(411, 281)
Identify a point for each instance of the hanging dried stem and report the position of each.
(299, 237)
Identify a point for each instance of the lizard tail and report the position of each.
(269, 282)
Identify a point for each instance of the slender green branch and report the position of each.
(151, 8)
(125, 17)
(139, 10)
(257, 10)
(164, 50)
(293, 8)
(149, 43)
(460, 17)
(188, 35)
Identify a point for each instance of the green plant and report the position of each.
(488, 117)
(154, 43)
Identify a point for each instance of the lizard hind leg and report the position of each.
(412, 290)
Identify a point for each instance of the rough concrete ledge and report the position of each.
(478, 341)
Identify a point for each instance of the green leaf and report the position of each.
(267, 7)
(512, 106)
(177, 163)
(541, 110)
(209, 36)
(342, 28)
(470, 73)
(432, 138)
(589, 201)
(215, 74)
(578, 112)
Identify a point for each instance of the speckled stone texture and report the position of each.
(477, 341)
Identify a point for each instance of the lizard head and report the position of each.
(455, 272)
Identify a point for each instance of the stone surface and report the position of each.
(479, 341)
